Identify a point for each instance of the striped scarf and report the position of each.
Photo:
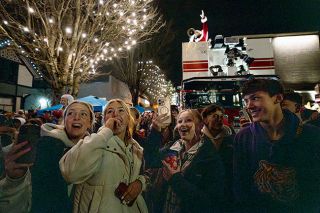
(173, 202)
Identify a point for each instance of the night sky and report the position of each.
(236, 17)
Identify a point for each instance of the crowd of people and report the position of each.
(123, 161)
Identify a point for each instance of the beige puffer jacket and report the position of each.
(97, 164)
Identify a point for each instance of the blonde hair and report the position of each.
(130, 127)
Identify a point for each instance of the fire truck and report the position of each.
(214, 74)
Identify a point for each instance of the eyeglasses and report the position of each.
(216, 116)
(81, 114)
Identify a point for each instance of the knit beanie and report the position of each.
(89, 106)
(22, 120)
(68, 97)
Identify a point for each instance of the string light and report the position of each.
(31, 10)
(131, 16)
(26, 29)
(68, 30)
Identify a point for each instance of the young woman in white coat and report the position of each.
(99, 163)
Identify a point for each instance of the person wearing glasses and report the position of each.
(49, 189)
(106, 167)
(221, 137)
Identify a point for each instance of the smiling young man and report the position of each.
(276, 158)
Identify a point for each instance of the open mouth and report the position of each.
(184, 130)
(76, 125)
(254, 113)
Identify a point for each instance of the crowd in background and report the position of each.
(121, 160)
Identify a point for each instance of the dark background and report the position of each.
(235, 17)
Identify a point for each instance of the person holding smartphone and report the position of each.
(106, 166)
(49, 189)
(192, 178)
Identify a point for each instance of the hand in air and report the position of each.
(202, 14)
(157, 122)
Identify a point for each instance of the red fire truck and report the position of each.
(215, 74)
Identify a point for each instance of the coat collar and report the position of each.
(56, 131)
(226, 131)
(179, 146)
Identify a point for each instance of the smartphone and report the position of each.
(30, 133)
(244, 113)
(164, 107)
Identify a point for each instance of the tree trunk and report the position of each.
(135, 96)
(76, 86)
(57, 93)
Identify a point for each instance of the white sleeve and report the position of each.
(84, 158)
(15, 194)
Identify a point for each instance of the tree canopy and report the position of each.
(71, 38)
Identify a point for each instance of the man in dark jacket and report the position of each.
(221, 138)
(276, 158)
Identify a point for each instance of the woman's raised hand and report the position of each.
(157, 122)
(112, 123)
(13, 169)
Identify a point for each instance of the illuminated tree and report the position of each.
(141, 71)
(71, 38)
(143, 77)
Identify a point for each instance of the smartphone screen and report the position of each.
(164, 107)
(30, 133)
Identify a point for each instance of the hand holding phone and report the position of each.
(13, 169)
(120, 193)
(245, 114)
(164, 107)
(245, 118)
(30, 133)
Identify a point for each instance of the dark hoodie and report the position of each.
(278, 176)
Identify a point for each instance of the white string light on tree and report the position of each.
(68, 36)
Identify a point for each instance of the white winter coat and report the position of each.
(97, 164)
